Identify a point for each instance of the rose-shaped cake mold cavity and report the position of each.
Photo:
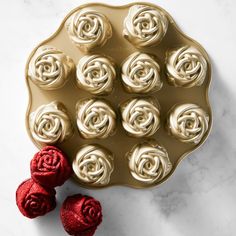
(141, 74)
(93, 165)
(96, 74)
(140, 117)
(80, 215)
(50, 123)
(188, 123)
(145, 26)
(49, 68)
(186, 67)
(49, 167)
(95, 118)
(149, 162)
(88, 29)
(34, 200)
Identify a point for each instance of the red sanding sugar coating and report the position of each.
(80, 215)
(49, 167)
(34, 200)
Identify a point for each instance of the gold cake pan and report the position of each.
(116, 46)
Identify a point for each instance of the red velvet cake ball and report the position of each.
(34, 200)
(80, 215)
(49, 167)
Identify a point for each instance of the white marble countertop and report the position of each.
(199, 199)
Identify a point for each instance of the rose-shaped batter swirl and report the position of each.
(93, 165)
(89, 29)
(140, 117)
(188, 123)
(34, 200)
(50, 123)
(80, 215)
(141, 74)
(186, 67)
(95, 118)
(96, 74)
(49, 167)
(149, 162)
(145, 26)
(49, 68)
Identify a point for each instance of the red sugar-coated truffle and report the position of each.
(49, 167)
(80, 215)
(34, 200)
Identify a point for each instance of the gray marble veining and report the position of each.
(199, 199)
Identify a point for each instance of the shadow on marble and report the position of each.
(203, 171)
